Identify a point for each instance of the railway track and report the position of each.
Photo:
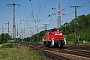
(71, 54)
(62, 54)
(84, 53)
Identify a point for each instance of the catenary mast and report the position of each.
(14, 26)
(59, 17)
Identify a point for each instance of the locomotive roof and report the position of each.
(54, 29)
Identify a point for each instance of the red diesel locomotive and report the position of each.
(54, 37)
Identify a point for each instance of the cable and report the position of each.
(71, 4)
(75, 2)
(31, 5)
(85, 4)
(43, 7)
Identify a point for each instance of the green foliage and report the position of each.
(81, 24)
(21, 53)
(70, 37)
(18, 40)
(38, 37)
(82, 27)
(70, 42)
(7, 45)
(4, 38)
(40, 54)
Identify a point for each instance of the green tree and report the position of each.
(82, 26)
(4, 38)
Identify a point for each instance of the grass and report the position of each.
(70, 42)
(7, 45)
(81, 43)
(78, 43)
(21, 53)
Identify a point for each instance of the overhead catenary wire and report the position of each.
(43, 7)
(85, 4)
(68, 14)
(79, 0)
(67, 8)
(35, 17)
(40, 10)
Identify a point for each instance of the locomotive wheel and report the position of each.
(44, 42)
(47, 44)
(62, 43)
(59, 43)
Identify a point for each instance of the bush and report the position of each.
(70, 37)
(7, 45)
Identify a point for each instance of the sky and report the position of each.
(32, 15)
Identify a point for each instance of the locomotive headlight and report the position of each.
(56, 34)
(60, 33)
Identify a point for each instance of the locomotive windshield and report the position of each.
(52, 30)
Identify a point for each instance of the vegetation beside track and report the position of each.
(78, 43)
(82, 31)
(19, 53)
(82, 26)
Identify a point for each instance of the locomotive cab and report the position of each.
(54, 37)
